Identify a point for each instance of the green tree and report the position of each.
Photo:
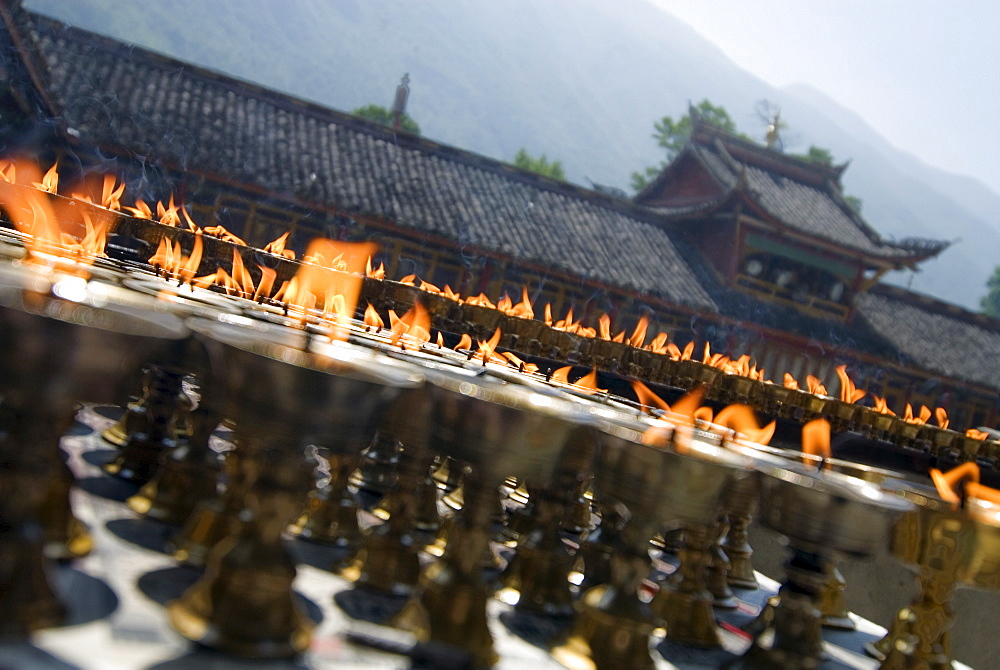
(672, 135)
(817, 154)
(542, 165)
(380, 114)
(990, 302)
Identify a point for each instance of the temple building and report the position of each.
(733, 243)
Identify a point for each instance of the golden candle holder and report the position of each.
(821, 513)
(57, 352)
(537, 577)
(740, 505)
(599, 545)
(843, 416)
(284, 392)
(773, 400)
(499, 429)
(188, 474)
(132, 420)
(732, 388)
(717, 575)
(66, 537)
(331, 512)
(659, 488)
(163, 403)
(377, 469)
(876, 425)
(213, 518)
(806, 406)
(948, 549)
(905, 434)
(388, 560)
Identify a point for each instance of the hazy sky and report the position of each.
(924, 73)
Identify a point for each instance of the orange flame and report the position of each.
(219, 278)
(464, 343)
(977, 490)
(949, 485)
(658, 345)
(333, 276)
(372, 318)
(815, 386)
(523, 309)
(921, 419)
(487, 349)
(689, 403)
(789, 382)
(848, 392)
(638, 337)
(881, 406)
(647, 398)
(50, 182)
(451, 295)
(267, 277)
(941, 416)
(429, 287)
(977, 434)
(703, 414)
(141, 210)
(192, 226)
(171, 259)
(561, 376)
(168, 215)
(413, 329)
(604, 327)
(277, 247)
(8, 172)
(56, 230)
(111, 197)
(504, 303)
(242, 276)
(588, 383)
(816, 440)
(516, 362)
(482, 301)
(374, 274)
(222, 234)
(684, 414)
(741, 419)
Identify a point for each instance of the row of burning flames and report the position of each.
(327, 285)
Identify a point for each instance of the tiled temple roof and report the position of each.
(813, 206)
(938, 337)
(120, 97)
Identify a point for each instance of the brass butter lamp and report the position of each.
(58, 351)
(284, 392)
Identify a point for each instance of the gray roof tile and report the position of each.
(117, 95)
(934, 339)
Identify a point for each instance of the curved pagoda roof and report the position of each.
(802, 197)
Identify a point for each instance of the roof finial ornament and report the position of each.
(773, 137)
(399, 104)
